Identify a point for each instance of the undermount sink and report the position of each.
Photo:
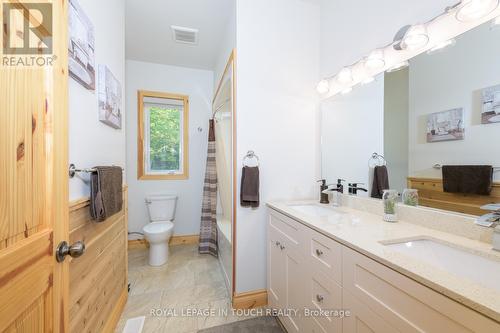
(462, 263)
(314, 210)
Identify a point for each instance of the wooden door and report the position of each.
(33, 170)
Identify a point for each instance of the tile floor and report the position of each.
(188, 281)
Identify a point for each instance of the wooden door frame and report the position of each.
(59, 205)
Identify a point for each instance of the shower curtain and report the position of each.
(208, 226)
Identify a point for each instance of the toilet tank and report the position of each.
(161, 207)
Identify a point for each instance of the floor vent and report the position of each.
(134, 325)
(185, 35)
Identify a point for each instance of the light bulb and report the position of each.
(470, 10)
(346, 91)
(375, 59)
(368, 80)
(345, 76)
(495, 24)
(399, 66)
(323, 86)
(441, 46)
(415, 38)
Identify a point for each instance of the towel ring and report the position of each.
(250, 155)
(379, 160)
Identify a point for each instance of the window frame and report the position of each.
(142, 145)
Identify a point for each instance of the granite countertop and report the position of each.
(366, 232)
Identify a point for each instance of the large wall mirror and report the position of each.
(440, 112)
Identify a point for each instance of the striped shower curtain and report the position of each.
(208, 226)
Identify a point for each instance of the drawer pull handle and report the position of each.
(320, 298)
(282, 247)
(277, 243)
(319, 252)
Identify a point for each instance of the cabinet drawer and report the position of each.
(362, 319)
(405, 304)
(325, 255)
(293, 230)
(324, 294)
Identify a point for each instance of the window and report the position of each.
(162, 136)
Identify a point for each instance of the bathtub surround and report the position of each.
(198, 85)
(92, 142)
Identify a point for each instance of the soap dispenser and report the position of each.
(323, 196)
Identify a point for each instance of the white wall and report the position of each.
(228, 43)
(448, 80)
(352, 126)
(396, 122)
(277, 70)
(198, 84)
(91, 142)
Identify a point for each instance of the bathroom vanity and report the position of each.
(387, 277)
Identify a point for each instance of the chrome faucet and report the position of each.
(339, 189)
(492, 220)
(353, 188)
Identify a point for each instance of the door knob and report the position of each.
(75, 250)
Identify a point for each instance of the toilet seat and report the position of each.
(158, 227)
(158, 231)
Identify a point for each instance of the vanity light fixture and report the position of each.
(470, 10)
(345, 76)
(441, 46)
(495, 24)
(346, 91)
(375, 60)
(368, 80)
(415, 37)
(323, 86)
(399, 66)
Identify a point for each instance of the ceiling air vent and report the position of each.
(185, 35)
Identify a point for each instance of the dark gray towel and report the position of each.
(106, 196)
(470, 179)
(249, 193)
(380, 181)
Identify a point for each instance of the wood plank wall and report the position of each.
(98, 279)
(431, 194)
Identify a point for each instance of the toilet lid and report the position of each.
(158, 227)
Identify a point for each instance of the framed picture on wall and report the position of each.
(490, 112)
(81, 46)
(110, 98)
(446, 125)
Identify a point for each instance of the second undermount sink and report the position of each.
(460, 262)
(314, 210)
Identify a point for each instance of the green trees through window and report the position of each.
(165, 138)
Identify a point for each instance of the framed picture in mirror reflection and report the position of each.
(491, 105)
(446, 125)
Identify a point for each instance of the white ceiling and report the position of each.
(149, 37)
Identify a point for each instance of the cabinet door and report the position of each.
(276, 270)
(362, 319)
(295, 288)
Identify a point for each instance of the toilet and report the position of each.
(158, 231)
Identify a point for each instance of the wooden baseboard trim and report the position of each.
(115, 315)
(184, 239)
(174, 240)
(250, 300)
(138, 244)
